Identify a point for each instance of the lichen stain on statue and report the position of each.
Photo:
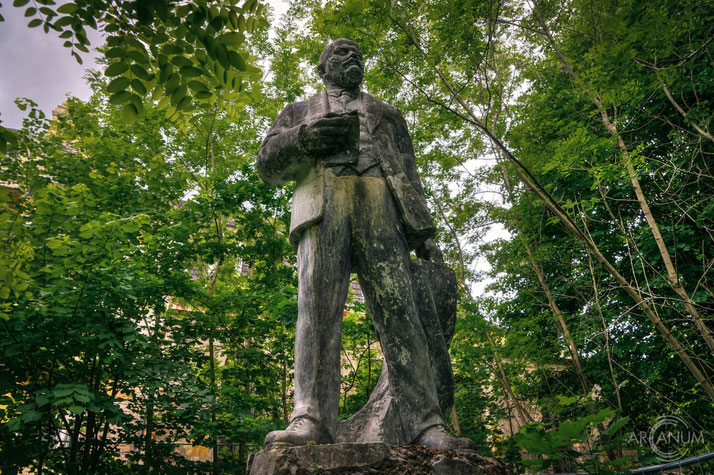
(359, 206)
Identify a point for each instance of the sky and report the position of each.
(35, 65)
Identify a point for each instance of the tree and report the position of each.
(126, 240)
(190, 55)
(585, 277)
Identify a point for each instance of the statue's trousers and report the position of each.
(361, 231)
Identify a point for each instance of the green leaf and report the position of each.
(14, 425)
(210, 45)
(120, 98)
(569, 430)
(20, 3)
(534, 441)
(222, 55)
(160, 9)
(171, 49)
(136, 101)
(165, 72)
(163, 103)
(81, 398)
(63, 21)
(183, 10)
(76, 409)
(172, 83)
(118, 84)
(31, 416)
(190, 71)
(144, 14)
(249, 5)
(217, 23)
(68, 8)
(140, 72)
(185, 104)
(115, 53)
(137, 56)
(116, 69)
(34, 23)
(237, 60)
(178, 95)
(180, 61)
(54, 243)
(197, 86)
(138, 86)
(233, 19)
(41, 400)
(62, 392)
(232, 39)
(129, 113)
(615, 426)
(30, 11)
(567, 400)
(241, 23)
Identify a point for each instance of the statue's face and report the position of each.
(344, 67)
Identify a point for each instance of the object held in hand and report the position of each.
(331, 133)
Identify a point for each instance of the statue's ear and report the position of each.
(321, 70)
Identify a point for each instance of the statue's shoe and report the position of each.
(302, 429)
(436, 437)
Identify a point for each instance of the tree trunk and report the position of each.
(606, 333)
(501, 374)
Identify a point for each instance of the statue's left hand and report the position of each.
(429, 251)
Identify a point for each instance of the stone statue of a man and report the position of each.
(358, 205)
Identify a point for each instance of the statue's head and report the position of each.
(341, 64)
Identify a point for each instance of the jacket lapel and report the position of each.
(318, 106)
(374, 111)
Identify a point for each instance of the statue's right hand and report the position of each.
(326, 135)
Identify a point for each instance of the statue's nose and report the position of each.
(353, 58)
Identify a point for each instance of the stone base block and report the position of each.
(372, 458)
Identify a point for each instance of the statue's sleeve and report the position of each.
(281, 157)
(406, 150)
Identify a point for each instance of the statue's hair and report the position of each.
(328, 52)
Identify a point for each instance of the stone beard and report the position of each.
(359, 206)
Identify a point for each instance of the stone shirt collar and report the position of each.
(334, 91)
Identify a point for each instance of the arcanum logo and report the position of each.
(670, 438)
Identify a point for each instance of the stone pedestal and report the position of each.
(373, 458)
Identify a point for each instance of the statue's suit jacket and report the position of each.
(282, 159)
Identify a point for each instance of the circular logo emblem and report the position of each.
(670, 437)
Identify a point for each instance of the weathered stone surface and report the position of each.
(435, 294)
(370, 459)
(359, 205)
(377, 421)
